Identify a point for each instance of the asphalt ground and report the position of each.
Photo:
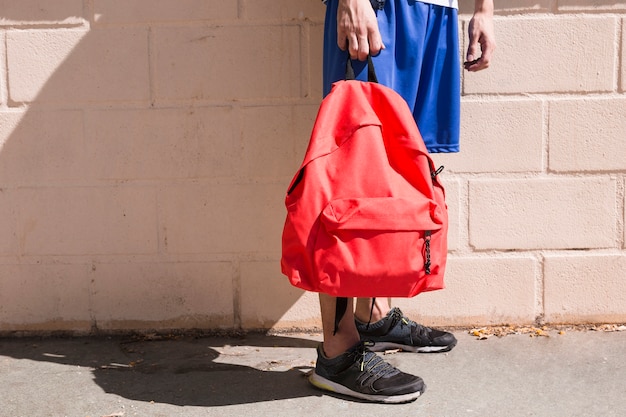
(543, 373)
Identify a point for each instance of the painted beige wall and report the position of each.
(146, 146)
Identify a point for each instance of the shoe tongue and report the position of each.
(382, 326)
(389, 321)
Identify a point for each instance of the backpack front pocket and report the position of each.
(375, 246)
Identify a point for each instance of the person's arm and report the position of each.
(357, 29)
(482, 41)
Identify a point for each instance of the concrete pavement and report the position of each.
(578, 373)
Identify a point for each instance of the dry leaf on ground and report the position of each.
(484, 333)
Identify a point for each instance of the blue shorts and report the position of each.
(421, 62)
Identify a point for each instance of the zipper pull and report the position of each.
(427, 235)
(433, 174)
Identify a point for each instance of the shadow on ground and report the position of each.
(183, 371)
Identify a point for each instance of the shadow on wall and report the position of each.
(124, 201)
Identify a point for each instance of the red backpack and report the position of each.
(366, 215)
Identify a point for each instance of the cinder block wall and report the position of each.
(146, 146)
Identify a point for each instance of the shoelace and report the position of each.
(372, 366)
(422, 331)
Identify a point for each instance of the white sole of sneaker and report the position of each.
(383, 346)
(327, 385)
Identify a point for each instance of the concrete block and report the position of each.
(584, 288)
(44, 297)
(218, 63)
(456, 212)
(591, 6)
(197, 218)
(623, 60)
(4, 94)
(260, 213)
(275, 139)
(29, 12)
(9, 122)
(87, 220)
(144, 11)
(510, 6)
(499, 136)
(78, 66)
(163, 143)
(580, 56)
(479, 291)
(587, 135)
(315, 61)
(177, 295)
(268, 300)
(301, 10)
(571, 213)
(222, 218)
(8, 223)
(42, 147)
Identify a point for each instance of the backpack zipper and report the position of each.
(427, 235)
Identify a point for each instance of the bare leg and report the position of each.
(364, 308)
(347, 336)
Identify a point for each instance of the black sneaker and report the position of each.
(362, 374)
(398, 332)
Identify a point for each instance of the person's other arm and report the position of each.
(357, 29)
(482, 40)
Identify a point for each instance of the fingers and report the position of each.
(479, 56)
(482, 44)
(487, 49)
(358, 47)
(472, 56)
(375, 41)
(361, 45)
(357, 29)
(476, 62)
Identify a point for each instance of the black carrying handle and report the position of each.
(371, 73)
